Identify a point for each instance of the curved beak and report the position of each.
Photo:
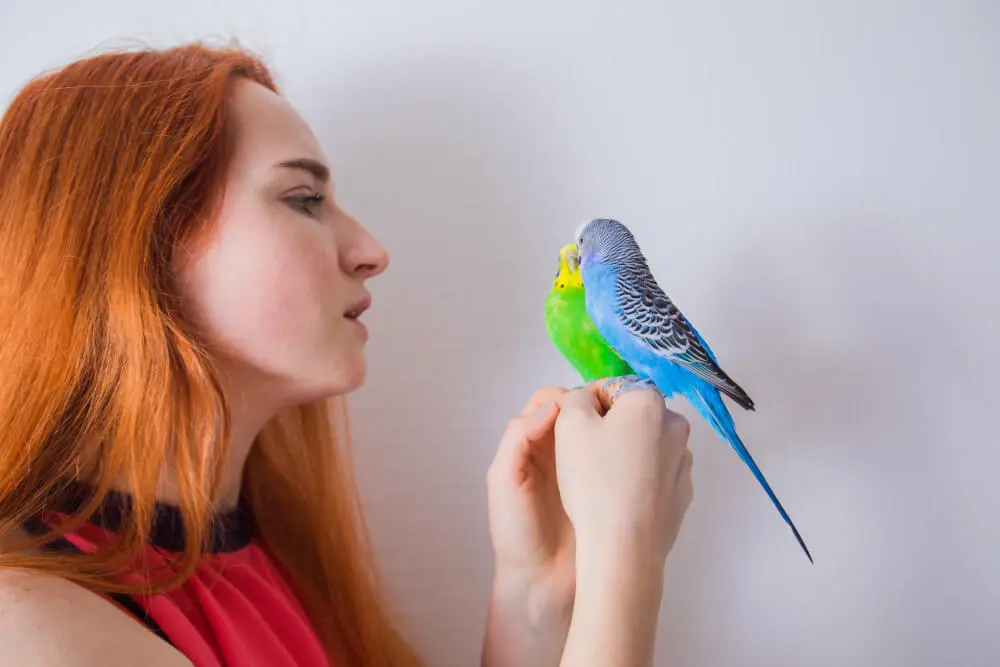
(570, 254)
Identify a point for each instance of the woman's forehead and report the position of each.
(268, 128)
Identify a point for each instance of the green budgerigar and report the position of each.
(570, 327)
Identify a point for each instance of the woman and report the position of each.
(180, 302)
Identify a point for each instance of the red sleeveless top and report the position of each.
(236, 610)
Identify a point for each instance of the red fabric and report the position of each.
(237, 610)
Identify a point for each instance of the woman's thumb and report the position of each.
(539, 419)
(517, 439)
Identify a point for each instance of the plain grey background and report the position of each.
(816, 186)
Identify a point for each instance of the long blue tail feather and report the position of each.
(708, 402)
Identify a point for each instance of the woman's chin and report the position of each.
(311, 380)
(344, 377)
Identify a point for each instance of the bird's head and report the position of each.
(604, 241)
(569, 268)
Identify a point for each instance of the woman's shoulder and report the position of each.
(47, 621)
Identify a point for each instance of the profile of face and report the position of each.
(279, 284)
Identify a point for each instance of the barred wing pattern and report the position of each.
(650, 315)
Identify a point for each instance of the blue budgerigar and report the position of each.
(643, 325)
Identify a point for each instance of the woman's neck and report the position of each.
(250, 411)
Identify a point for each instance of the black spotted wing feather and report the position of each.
(648, 314)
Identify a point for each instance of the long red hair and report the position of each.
(106, 165)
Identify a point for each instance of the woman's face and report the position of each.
(281, 280)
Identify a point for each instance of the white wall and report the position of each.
(814, 183)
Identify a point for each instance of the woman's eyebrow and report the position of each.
(314, 167)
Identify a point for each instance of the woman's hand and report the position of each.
(585, 502)
(532, 536)
(533, 541)
(624, 473)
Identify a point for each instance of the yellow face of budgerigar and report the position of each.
(569, 268)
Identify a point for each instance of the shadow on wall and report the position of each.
(436, 159)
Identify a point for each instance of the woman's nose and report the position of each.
(364, 256)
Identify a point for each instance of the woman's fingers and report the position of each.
(583, 403)
(558, 394)
(520, 433)
(542, 396)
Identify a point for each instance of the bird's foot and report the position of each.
(624, 384)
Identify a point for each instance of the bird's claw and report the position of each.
(626, 383)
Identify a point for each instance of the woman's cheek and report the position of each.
(256, 290)
(295, 293)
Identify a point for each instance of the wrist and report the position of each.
(527, 620)
(617, 604)
(631, 583)
(542, 598)
(628, 549)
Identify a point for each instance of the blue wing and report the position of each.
(650, 316)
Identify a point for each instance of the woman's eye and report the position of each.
(308, 204)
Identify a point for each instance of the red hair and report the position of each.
(107, 165)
